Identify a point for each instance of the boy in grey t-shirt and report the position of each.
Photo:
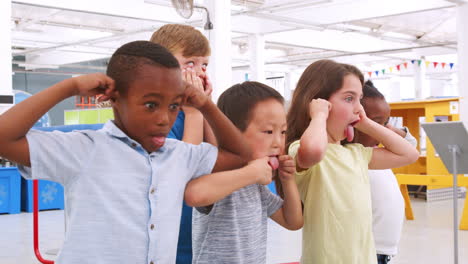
(234, 229)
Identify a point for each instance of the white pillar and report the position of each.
(257, 57)
(6, 86)
(420, 84)
(462, 31)
(220, 69)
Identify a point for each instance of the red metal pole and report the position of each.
(36, 223)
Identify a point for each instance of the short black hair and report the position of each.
(370, 91)
(239, 100)
(127, 60)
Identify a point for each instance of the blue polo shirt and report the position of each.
(123, 204)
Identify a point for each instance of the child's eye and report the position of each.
(268, 131)
(283, 132)
(349, 99)
(150, 105)
(204, 66)
(174, 107)
(190, 63)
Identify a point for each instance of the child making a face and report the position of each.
(234, 229)
(332, 178)
(125, 183)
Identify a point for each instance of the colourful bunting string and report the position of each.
(405, 64)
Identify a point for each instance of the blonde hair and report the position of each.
(183, 38)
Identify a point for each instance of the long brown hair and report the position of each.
(319, 80)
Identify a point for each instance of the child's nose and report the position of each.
(357, 107)
(199, 71)
(163, 118)
(277, 140)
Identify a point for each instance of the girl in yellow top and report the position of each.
(332, 178)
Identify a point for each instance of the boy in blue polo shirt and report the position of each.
(125, 183)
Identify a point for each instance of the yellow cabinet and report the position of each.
(411, 111)
(429, 169)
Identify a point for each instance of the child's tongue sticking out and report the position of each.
(273, 163)
(349, 133)
(159, 141)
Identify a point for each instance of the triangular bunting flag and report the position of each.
(406, 65)
(451, 65)
(370, 74)
(391, 69)
(419, 62)
(377, 73)
(412, 61)
(427, 63)
(383, 71)
(443, 64)
(398, 67)
(435, 64)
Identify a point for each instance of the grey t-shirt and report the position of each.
(235, 229)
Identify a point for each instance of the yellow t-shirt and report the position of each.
(337, 207)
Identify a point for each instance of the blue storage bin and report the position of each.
(50, 195)
(10, 190)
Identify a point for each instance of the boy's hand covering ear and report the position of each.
(287, 167)
(94, 84)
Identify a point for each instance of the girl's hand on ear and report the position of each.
(319, 107)
(94, 84)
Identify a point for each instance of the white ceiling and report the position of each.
(373, 34)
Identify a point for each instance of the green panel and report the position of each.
(89, 117)
(105, 114)
(72, 117)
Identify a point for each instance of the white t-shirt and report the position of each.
(388, 208)
(388, 211)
